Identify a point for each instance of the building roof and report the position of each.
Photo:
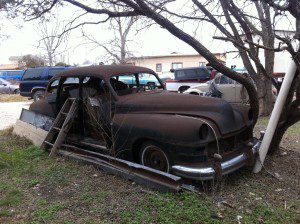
(171, 55)
(103, 71)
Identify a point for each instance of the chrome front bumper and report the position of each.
(226, 167)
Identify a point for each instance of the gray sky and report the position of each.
(153, 41)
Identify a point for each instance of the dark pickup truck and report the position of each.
(35, 80)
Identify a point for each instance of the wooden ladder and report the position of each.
(61, 126)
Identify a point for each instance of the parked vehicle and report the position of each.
(35, 80)
(7, 87)
(185, 78)
(190, 136)
(231, 90)
(11, 74)
(166, 76)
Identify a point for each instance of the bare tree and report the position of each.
(117, 48)
(28, 61)
(51, 40)
(291, 112)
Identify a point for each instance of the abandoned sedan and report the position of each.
(190, 136)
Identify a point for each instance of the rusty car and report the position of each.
(193, 137)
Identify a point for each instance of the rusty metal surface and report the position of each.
(132, 171)
(228, 118)
(103, 71)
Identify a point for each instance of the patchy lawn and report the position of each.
(35, 188)
(12, 98)
(291, 139)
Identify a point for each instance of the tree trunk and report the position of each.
(291, 113)
(265, 95)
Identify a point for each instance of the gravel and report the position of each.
(10, 112)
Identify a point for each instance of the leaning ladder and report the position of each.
(61, 126)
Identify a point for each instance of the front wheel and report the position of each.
(38, 95)
(153, 156)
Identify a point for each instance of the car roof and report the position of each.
(186, 68)
(103, 71)
(47, 67)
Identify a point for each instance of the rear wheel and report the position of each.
(153, 156)
(16, 91)
(38, 95)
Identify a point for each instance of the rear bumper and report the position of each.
(218, 168)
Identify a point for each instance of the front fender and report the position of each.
(36, 88)
(166, 128)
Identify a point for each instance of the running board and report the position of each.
(127, 170)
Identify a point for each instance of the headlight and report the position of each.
(203, 131)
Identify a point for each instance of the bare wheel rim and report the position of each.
(155, 158)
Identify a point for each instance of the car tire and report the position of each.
(38, 95)
(194, 93)
(153, 156)
(16, 91)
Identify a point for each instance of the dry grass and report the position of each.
(12, 98)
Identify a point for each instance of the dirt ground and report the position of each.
(35, 188)
(12, 98)
(10, 112)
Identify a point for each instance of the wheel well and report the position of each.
(136, 148)
(33, 91)
(183, 88)
(139, 142)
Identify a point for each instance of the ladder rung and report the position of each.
(64, 113)
(48, 143)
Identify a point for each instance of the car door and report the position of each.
(227, 87)
(33, 78)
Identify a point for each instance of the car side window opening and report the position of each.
(198, 73)
(53, 86)
(33, 74)
(133, 83)
(217, 79)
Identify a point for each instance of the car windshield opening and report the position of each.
(125, 84)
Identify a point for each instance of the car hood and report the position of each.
(227, 118)
(200, 85)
